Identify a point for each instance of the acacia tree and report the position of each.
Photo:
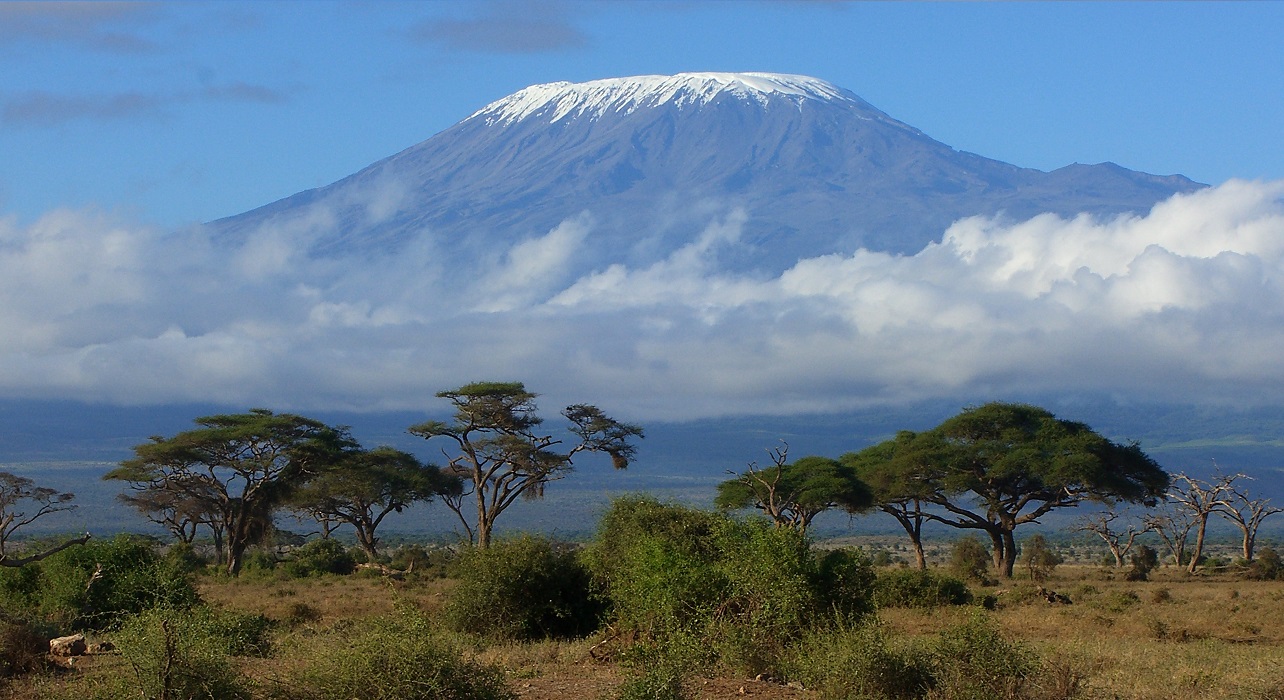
(1247, 513)
(792, 495)
(1201, 499)
(999, 466)
(238, 468)
(22, 503)
(896, 473)
(366, 486)
(1173, 523)
(1119, 541)
(500, 455)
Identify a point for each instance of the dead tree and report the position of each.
(1247, 513)
(1103, 525)
(1201, 499)
(1173, 525)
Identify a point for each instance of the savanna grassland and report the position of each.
(735, 609)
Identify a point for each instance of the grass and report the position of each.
(1175, 637)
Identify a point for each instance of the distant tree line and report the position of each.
(990, 469)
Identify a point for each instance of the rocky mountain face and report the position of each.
(808, 167)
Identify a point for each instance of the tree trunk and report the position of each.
(235, 553)
(1199, 545)
(996, 551)
(368, 544)
(1009, 553)
(1119, 559)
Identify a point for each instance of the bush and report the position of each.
(178, 655)
(919, 589)
(970, 560)
(742, 588)
(523, 588)
(324, 556)
(399, 657)
(855, 663)
(183, 557)
(96, 585)
(233, 633)
(974, 661)
(421, 560)
(1038, 558)
(1144, 559)
(1266, 566)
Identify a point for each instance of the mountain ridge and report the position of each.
(656, 159)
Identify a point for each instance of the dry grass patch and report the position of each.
(325, 600)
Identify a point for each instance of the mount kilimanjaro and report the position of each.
(810, 168)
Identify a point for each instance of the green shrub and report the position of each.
(324, 556)
(174, 654)
(523, 588)
(1038, 558)
(399, 657)
(233, 633)
(183, 557)
(660, 671)
(1266, 566)
(743, 588)
(970, 560)
(257, 562)
(421, 560)
(911, 588)
(95, 585)
(857, 663)
(974, 661)
(1144, 559)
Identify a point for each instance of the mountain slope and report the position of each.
(655, 159)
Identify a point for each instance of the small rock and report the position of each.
(71, 645)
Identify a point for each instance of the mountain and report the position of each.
(653, 160)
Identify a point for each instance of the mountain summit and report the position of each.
(807, 167)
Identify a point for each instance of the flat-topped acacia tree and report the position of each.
(1001, 465)
(236, 469)
(501, 454)
(792, 494)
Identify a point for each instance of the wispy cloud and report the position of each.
(101, 26)
(504, 27)
(1181, 304)
(42, 109)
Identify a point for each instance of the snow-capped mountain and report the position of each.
(809, 167)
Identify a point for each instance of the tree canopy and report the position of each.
(233, 471)
(793, 494)
(22, 503)
(367, 485)
(1001, 465)
(501, 455)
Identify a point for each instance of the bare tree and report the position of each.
(1202, 499)
(1247, 513)
(22, 503)
(1103, 525)
(1173, 524)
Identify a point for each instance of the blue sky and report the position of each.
(124, 124)
(173, 113)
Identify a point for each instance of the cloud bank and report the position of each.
(1184, 304)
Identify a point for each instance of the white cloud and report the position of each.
(1184, 303)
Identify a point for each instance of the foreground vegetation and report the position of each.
(666, 602)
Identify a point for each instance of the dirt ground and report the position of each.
(594, 680)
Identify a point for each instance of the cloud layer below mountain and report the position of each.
(1183, 304)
